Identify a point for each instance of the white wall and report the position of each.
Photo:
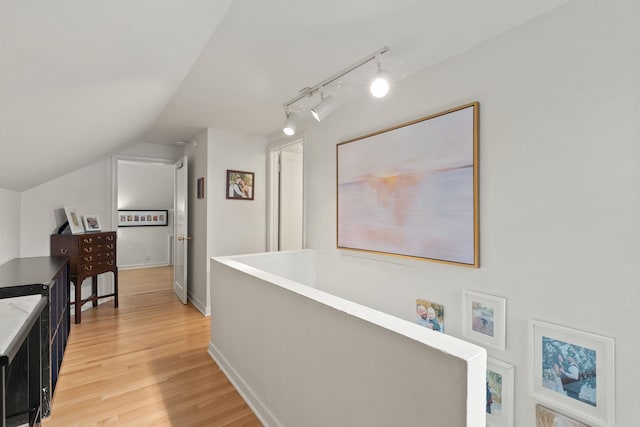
(145, 186)
(41, 210)
(197, 280)
(559, 179)
(219, 226)
(9, 225)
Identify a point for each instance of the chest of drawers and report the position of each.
(90, 254)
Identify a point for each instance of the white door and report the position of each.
(291, 177)
(180, 230)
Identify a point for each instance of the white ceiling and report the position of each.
(82, 80)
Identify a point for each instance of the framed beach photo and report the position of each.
(574, 371)
(500, 381)
(75, 221)
(430, 315)
(546, 417)
(484, 319)
(91, 223)
(240, 185)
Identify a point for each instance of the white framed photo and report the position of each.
(546, 417)
(91, 223)
(500, 382)
(75, 222)
(484, 319)
(573, 371)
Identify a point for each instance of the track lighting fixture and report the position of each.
(380, 84)
(324, 108)
(379, 88)
(291, 124)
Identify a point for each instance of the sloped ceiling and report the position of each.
(82, 80)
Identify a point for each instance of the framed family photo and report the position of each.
(500, 382)
(430, 315)
(91, 223)
(484, 319)
(240, 185)
(574, 371)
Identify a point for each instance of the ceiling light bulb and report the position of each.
(380, 84)
(291, 124)
(324, 108)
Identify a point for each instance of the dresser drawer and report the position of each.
(97, 267)
(95, 247)
(93, 257)
(96, 239)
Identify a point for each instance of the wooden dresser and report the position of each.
(90, 254)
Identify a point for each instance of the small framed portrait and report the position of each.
(91, 223)
(573, 370)
(75, 221)
(484, 319)
(546, 417)
(240, 185)
(430, 315)
(143, 218)
(500, 381)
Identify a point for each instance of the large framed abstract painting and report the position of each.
(412, 190)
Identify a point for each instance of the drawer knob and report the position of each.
(88, 267)
(88, 258)
(64, 251)
(87, 239)
(88, 249)
(109, 262)
(109, 238)
(109, 246)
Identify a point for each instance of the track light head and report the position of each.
(380, 84)
(324, 108)
(291, 124)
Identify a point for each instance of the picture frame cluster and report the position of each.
(571, 371)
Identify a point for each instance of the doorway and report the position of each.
(286, 202)
(144, 184)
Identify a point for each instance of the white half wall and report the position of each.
(559, 180)
(9, 225)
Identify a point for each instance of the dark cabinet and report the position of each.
(46, 276)
(90, 254)
(21, 360)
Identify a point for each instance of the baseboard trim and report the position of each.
(256, 405)
(206, 311)
(137, 266)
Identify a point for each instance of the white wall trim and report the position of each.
(202, 308)
(259, 409)
(140, 266)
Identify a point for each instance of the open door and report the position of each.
(180, 230)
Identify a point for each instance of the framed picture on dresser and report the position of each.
(91, 223)
(75, 222)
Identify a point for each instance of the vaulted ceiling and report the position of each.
(82, 80)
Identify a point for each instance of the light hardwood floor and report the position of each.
(144, 364)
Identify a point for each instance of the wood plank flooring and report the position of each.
(144, 364)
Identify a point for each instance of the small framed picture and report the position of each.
(240, 185)
(500, 381)
(546, 417)
(200, 186)
(75, 224)
(430, 315)
(484, 319)
(91, 223)
(574, 371)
